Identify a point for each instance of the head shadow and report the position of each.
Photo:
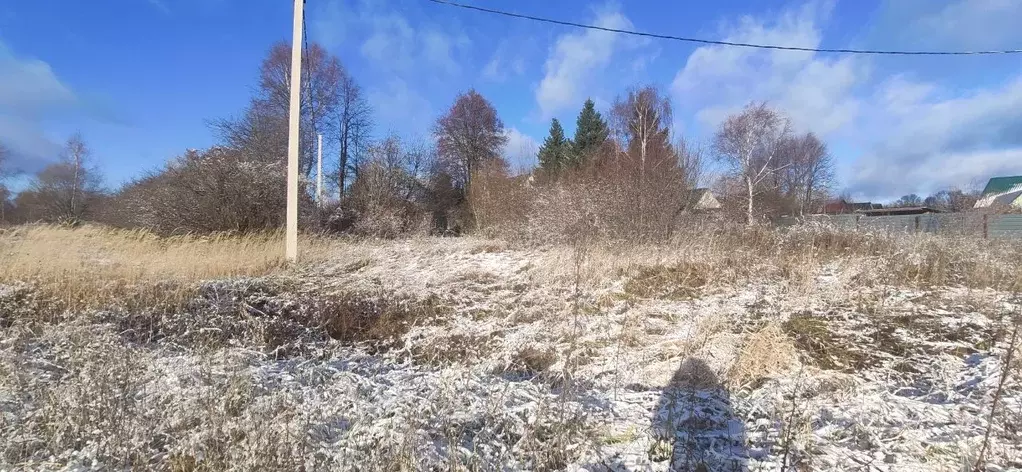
(694, 425)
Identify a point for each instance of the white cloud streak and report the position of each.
(898, 135)
(395, 102)
(159, 5)
(815, 91)
(504, 64)
(576, 59)
(391, 41)
(972, 24)
(30, 93)
(924, 140)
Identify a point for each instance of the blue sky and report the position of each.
(141, 78)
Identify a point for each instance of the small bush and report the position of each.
(216, 190)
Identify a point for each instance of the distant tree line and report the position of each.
(768, 169)
(66, 191)
(5, 193)
(949, 200)
(626, 173)
(380, 186)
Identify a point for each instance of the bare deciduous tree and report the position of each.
(65, 191)
(403, 167)
(952, 200)
(354, 118)
(468, 135)
(748, 144)
(910, 200)
(654, 182)
(260, 134)
(388, 191)
(264, 125)
(806, 172)
(691, 161)
(4, 193)
(641, 121)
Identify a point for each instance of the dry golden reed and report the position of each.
(95, 266)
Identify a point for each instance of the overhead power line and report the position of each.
(726, 43)
(307, 61)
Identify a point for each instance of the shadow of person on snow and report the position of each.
(694, 424)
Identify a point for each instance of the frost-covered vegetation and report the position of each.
(725, 349)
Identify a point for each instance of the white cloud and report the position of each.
(31, 149)
(392, 42)
(394, 102)
(881, 179)
(972, 24)
(159, 5)
(816, 91)
(29, 86)
(520, 150)
(408, 58)
(576, 59)
(896, 134)
(924, 141)
(902, 95)
(330, 24)
(504, 64)
(492, 70)
(30, 93)
(441, 49)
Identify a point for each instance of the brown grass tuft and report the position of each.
(676, 282)
(381, 319)
(765, 353)
(821, 346)
(531, 360)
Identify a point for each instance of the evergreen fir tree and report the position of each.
(556, 150)
(590, 133)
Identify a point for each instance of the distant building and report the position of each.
(701, 199)
(527, 179)
(842, 207)
(1002, 192)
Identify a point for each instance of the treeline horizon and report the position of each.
(628, 171)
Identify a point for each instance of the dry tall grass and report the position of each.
(95, 266)
(720, 254)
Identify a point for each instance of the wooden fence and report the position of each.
(973, 224)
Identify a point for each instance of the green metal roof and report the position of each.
(1002, 184)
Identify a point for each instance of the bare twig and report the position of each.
(789, 428)
(1005, 373)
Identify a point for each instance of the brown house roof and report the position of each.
(701, 199)
(842, 206)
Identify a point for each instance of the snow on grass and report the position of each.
(518, 363)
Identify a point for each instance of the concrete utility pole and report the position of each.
(319, 170)
(291, 239)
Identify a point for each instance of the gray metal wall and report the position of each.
(974, 224)
(1005, 226)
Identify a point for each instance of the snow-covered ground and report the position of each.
(517, 358)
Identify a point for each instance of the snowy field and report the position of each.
(470, 354)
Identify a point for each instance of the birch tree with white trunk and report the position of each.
(66, 190)
(748, 143)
